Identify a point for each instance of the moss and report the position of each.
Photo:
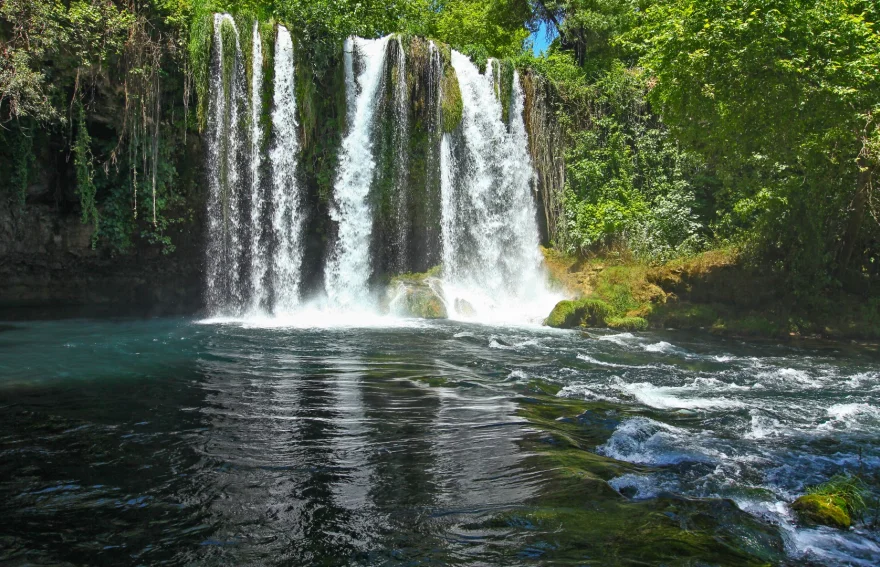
(452, 107)
(627, 323)
(411, 295)
(503, 71)
(578, 313)
(825, 509)
(199, 53)
(588, 522)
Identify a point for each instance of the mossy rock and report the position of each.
(627, 323)
(824, 509)
(463, 307)
(408, 298)
(586, 312)
(451, 104)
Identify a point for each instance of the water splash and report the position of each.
(349, 266)
(401, 152)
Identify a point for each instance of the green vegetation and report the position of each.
(586, 312)
(583, 515)
(833, 503)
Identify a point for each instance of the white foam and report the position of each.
(591, 360)
(645, 441)
(662, 347)
(318, 318)
(850, 416)
(673, 397)
(645, 486)
(582, 391)
(622, 339)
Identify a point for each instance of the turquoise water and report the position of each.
(178, 441)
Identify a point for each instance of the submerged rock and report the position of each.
(825, 509)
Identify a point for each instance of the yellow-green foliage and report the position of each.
(450, 100)
(627, 323)
(833, 503)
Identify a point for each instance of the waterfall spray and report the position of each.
(259, 251)
(490, 233)
(401, 150)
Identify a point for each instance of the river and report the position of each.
(405, 442)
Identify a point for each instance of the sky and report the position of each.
(540, 40)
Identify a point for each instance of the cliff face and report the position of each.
(48, 266)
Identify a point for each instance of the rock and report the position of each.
(408, 298)
(578, 313)
(825, 509)
(464, 308)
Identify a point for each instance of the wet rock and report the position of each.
(464, 308)
(824, 509)
(578, 313)
(410, 298)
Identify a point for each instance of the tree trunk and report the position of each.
(857, 215)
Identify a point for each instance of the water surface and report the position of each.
(170, 440)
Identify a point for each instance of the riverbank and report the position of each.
(714, 291)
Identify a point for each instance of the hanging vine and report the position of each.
(85, 174)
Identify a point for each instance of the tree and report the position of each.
(792, 86)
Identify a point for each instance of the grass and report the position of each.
(714, 291)
(851, 489)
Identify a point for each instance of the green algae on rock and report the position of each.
(414, 295)
(578, 518)
(627, 323)
(825, 509)
(578, 313)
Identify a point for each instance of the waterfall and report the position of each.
(287, 215)
(259, 249)
(254, 249)
(401, 153)
(490, 233)
(225, 168)
(349, 267)
(410, 189)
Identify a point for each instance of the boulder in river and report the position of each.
(585, 312)
(416, 297)
(825, 509)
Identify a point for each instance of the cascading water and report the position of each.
(254, 250)
(287, 215)
(491, 259)
(404, 195)
(401, 151)
(225, 168)
(349, 266)
(259, 247)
